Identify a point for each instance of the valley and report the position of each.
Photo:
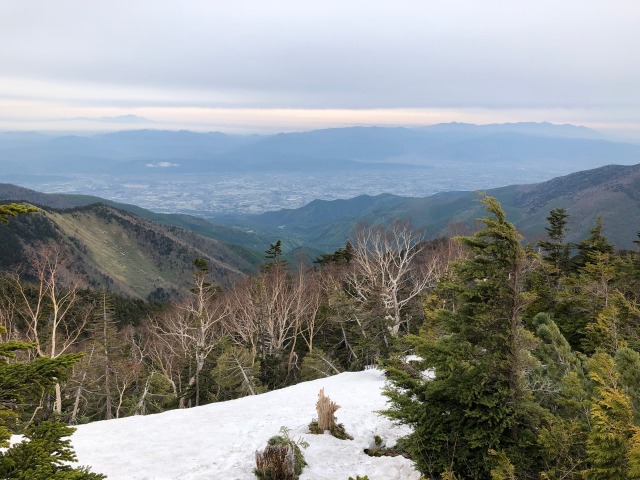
(211, 174)
(252, 193)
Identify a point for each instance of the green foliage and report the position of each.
(23, 384)
(341, 256)
(627, 363)
(44, 455)
(561, 386)
(317, 364)
(478, 399)
(13, 210)
(271, 467)
(503, 468)
(556, 251)
(337, 430)
(596, 243)
(612, 427)
(238, 371)
(274, 257)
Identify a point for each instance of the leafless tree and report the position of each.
(53, 323)
(386, 267)
(270, 311)
(194, 327)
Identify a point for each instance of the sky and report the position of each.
(219, 440)
(262, 66)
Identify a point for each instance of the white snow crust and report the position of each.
(218, 441)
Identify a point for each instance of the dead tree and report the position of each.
(195, 326)
(270, 311)
(385, 267)
(326, 409)
(53, 321)
(276, 462)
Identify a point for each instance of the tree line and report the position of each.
(270, 330)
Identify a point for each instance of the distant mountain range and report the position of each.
(145, 151)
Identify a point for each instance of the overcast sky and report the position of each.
(270, 65)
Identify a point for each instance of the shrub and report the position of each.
(282, 459)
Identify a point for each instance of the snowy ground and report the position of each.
(219, 441)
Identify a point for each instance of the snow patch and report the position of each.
(218, 441)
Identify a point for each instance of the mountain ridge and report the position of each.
(136, 151)
(110, 248)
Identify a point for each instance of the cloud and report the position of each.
(162, 165)
(119, 119)
(335, 55)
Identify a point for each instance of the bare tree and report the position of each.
(194, 327)
(270, 311)
(386, 267)
(49, 311)
(308, 294)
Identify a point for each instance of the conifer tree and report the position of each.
(44, 455)
(274, 257)
(556, 251)
(612, 429)
(477, 400)
(560, 386)
(238, 370)
(596, 243)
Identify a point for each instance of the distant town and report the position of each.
(252, 193)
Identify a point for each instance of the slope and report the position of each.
(244, 243)
(108, 247)
(219, 440)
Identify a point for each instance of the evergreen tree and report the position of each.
(628, 367)
(612, 430)
(556, 251)
(477, 400)
(596, 243)
(237, 370)
(274, 257)
(560, 385)
(44, 455)
(341, 256)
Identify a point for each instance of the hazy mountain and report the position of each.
(137, 152)
(527, 128)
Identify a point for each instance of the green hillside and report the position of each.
(108, 247)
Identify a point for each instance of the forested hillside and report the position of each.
(108, 248)
(612, 192)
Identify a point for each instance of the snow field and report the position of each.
(218, 441)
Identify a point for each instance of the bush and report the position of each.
(282, 459)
